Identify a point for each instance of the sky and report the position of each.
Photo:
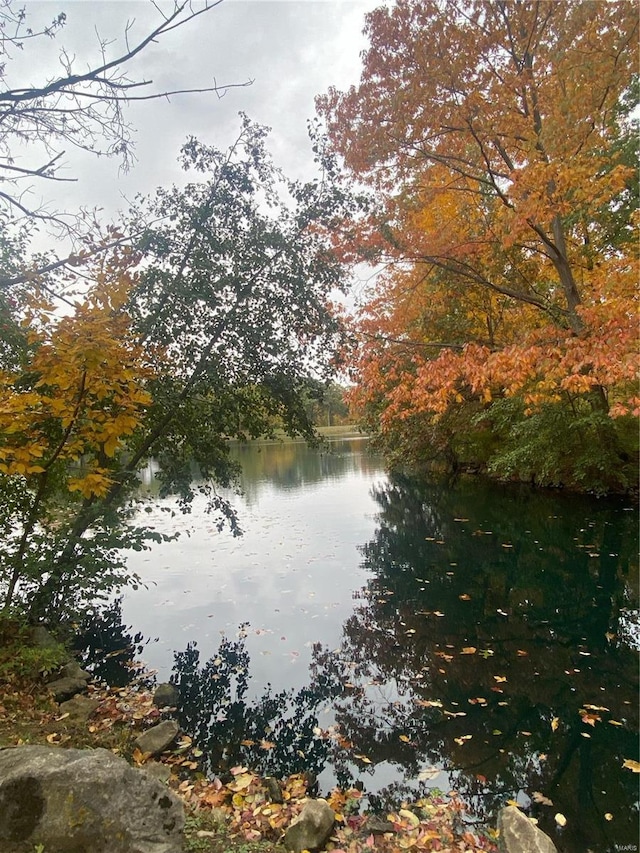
(292, 50)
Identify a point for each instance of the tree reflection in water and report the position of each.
(277, 733)
(493, 640)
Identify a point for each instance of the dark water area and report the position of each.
(404, 635)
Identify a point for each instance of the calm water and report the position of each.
(475, 637)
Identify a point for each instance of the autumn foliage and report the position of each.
(82, 393)
(498, 141)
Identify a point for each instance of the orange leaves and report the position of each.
(495, 170)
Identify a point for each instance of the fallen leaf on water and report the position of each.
(561, 819)
(608, 816)
(555, 723)
(429, 703)
(632, 765)
(469, 650)
(405, 738)
(589, 719)
(464, 597)
(460, 740)
(521, 653)
(363, 758)
(614, 723)
(500, 678)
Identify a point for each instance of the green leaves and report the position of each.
(211, 329)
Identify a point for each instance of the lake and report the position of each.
(470, 636)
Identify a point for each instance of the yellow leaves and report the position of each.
(555, 722)
(80, 397)
(410, 817)
(631, 764)
(241, 781)
(95, 484)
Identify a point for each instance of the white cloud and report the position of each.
(291, 50)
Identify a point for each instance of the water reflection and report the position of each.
(109, 649)
(293, 465)
(492, 640)
(484, 637)
(276, 733)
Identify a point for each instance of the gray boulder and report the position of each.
(517, 834)
(65, 688)
(84, 801)
(157, 770)
(43, 639)
(166, 694)
(273, 789)
(158, 738)
(72, 669)
(80, 708)
(311, 829)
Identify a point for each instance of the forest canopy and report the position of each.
(499, 143)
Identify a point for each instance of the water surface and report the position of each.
(483, 637)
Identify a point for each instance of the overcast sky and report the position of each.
(291, 49)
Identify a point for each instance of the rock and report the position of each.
(273, 789)
(84, 801)
(158, 738)
(166, 694)
(72, 669)
(42, 638)
(65, 688)
(373, 824)
(79, 709)
(311, 829)
(517, 834)
(157, 770)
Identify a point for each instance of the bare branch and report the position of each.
(84, 110)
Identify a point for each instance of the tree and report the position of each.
(84, 109)
(497, 138)
(206, 330)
